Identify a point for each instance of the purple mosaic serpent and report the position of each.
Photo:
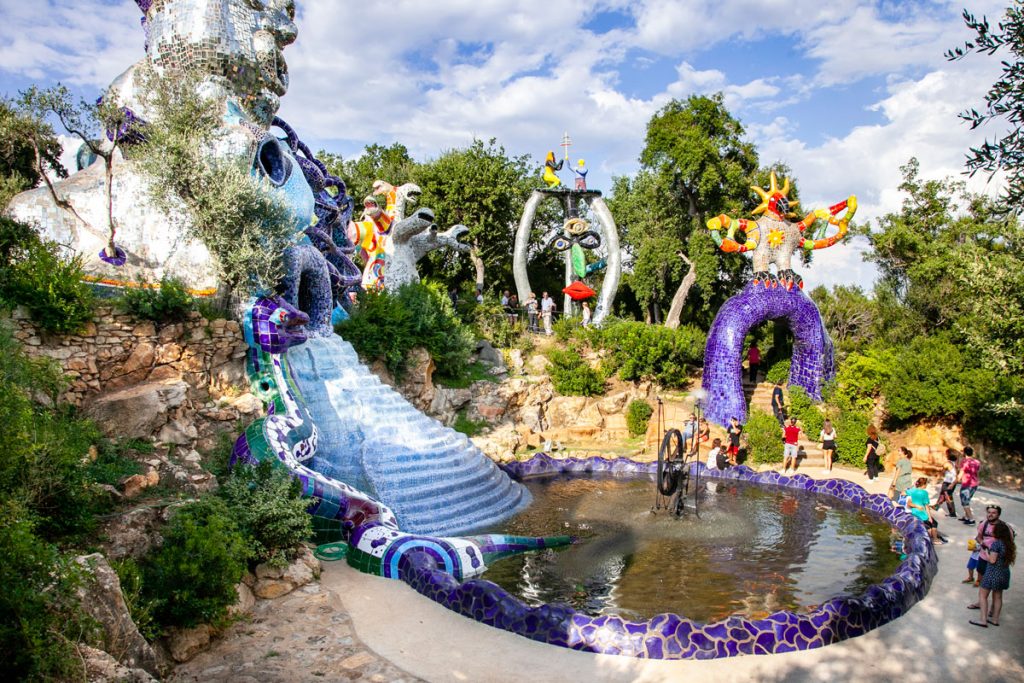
(813, 361)
(670, 636)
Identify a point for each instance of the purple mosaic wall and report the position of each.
(670, 636)
(813, 357)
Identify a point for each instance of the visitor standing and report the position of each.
(479, 296)
(948, 484)
(453, 295)
(778, 404)
(531, 312)
(1002, 553)
(547, 309)
(716, 449)
(828, 443)
(919, 505)
(871, 453)
(984, 539)
(754, 361)
(504, 299)
(968, 480)
(791, 439)
(734, 431)
(902, 475)
(586, 314)
(513, 309)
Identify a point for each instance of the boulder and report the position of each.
(273, 582)
(132, 534)
(137, 411)
(178, 432)
(101, 667)
(141, 358)
(186, 643)
(490, 355)
(247, 404)
(101, 598)
(135, 484)
(448, 401)
(615, 403)
(246, 601)
(563, 411)
(537, 364)
(417, 384)
(500, 444)
(515, 358)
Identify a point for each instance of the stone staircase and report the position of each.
(760, 396)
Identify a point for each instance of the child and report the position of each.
(716, 450)
(972, 562)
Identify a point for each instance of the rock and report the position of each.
(537, 365)
(246, 601)
(532, 417)
(383, 374)
(418, 383)
(186, 643)
(145, 329)
(489, 355)
(136, 412)
(162, 373)
(614, 403)
(448, 401)
(101, 598)
(501, 444)
(168, 353)
(132, 534)
(101, 667)
(229, 374)
(515, 357)
(178, 432)
(247, 404)
(142, 358)
(132, 486)
(563, 411)
(273, 582)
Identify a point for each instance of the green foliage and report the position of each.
(862, 377)
(1004, 101)
(805, 411)
(139, 607)
(566, 327)
(191, 579)
(764, 437)
(392, 164)
(217, 460)
(467, 426)
(652, 352)
(778, 373)
(388, 326)
(40, 276)
(849, 315)
(851, 427)
(244, 225)
(170, 302)
(638, 414)
(491, 322)
(476, 371)
(267, 504)
(573, 376)
(23, 136)
(40, 621)
(930, 379)
(112, 463)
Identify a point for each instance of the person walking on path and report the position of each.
(968, 481)
(754, 360)
(791, 437)
(778, 404)
(918, 503)
(547, 308)
(902, 475)
(828, 443)
(1002, 553)
(948, 484)
(531, 312)
(871, 454)
(734, 431)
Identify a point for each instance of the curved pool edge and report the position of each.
(670, 636)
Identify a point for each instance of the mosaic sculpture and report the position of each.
(235, 48)
(671, 636)
(772, 240)
(288, 437)
(551, 169)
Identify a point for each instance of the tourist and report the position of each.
(716, 450)
(453, 295)
(779, 404)
(919, 505)
(871, 454)
(504, 299)
(479, 295)
(753, 360)
(972, 561)
(1002, 553)
(586, 314)
(948, 484)
(902, 475)
(828, 443)
(734, 431)
(513, 310)
(690, 432)
(985, 537)
(547, 308)
(704, 433)
(968, 481)
(531, 312)
(791, 438)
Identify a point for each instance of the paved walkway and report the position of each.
(933, 643)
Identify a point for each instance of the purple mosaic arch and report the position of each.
(671, 636)
(813, 355)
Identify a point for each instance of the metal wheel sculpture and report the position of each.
(673, 477)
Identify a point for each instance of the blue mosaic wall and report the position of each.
(670, 636)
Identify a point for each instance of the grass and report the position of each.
(474, 373)
(468, 427)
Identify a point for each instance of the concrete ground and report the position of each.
(932, 643)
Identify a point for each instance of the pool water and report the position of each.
(751, 552)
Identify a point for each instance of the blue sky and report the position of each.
(844, 92)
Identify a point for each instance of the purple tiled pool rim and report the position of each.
(671, 636)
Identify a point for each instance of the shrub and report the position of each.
(491, 322)
(466, 426)
(861, 377)
(267, 503)
(38, 275)
(652, 352)
(638, 414)
(388, 326)
(851, 436)
(139, 607)
(572, 376)
(778, 373)
(764, 438)
(170, 302)
(931, 378)
(566, 327)
(805, 411)
(191, 579)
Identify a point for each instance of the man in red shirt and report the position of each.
(754, 360)
(791, 449)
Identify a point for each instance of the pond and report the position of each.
(752, 551)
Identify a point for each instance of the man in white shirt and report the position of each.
(547, 307)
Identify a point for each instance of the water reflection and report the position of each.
(753, 551)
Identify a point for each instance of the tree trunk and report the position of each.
(478, 263)
(676, 309)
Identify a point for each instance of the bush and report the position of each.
(778, 373)
(267, 503)
(40, 620)
(490, 321)
(764, 438)
(466, 426)
(139, 607)
(566, 327)
(805, 411)
(170, 302)
(38, 275)
(388, 326)
(652, 352)
(862, 377)
(572, 376)
(191, 579)
(638, 414)
(851, 436)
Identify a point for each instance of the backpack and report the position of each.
(880, 449)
